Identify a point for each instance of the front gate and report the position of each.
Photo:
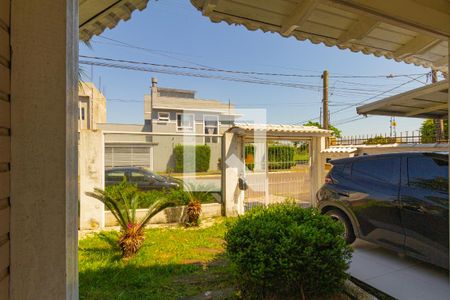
(277, 172)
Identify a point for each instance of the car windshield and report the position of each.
(154, 175)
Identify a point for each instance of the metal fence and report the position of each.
(414, 137)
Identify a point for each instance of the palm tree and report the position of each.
(123, 200)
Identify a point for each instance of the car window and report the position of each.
(137, 176)
(155, 176)
(115, 176)
(385, 170)
(428, 172)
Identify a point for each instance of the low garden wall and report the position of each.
(170, 215)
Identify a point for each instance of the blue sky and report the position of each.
(174, 32)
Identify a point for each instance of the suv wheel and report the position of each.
(349, 235)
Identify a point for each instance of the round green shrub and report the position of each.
(287, 252)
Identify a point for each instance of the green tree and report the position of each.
(428, 131)
(336, 132)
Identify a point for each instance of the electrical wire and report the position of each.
(199, 75)
(371, 98)
(380, 94)
(209, 69)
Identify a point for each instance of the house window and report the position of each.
(211, 125)
(185, 122)
(163, 117)
(82, 113)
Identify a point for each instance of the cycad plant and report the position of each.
(123, 200)
(197, 195)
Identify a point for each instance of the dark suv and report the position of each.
(399, 201)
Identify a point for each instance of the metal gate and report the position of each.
(274, 175)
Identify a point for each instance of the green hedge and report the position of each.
(284, 251)
(198, 154)
(280, 156)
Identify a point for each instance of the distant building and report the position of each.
(168, 110)
(92, 106)
(174, 116)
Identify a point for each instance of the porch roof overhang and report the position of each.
(430, 101)
(95, 16)
(277, 132)
(412, 31)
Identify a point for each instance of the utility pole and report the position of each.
(438, 123)
(325, 100)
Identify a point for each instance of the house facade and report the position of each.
(176, 116)
(171, 117)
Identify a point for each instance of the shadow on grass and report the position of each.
(127, 280)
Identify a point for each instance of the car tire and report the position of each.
(349, 234)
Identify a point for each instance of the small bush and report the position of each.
(287, 252)
(195, 158)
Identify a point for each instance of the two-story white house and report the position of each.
(177, 117)
(171, 117)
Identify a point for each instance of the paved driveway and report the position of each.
(399, 277)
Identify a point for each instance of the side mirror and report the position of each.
(243, 186)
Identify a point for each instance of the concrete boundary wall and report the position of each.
(91, 171)
(175, 214)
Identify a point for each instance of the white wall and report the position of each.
(91, 173)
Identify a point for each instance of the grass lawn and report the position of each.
(301, 156)
(173, 263)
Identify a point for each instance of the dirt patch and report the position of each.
(209, 250)
(193, 262)
(217, 240)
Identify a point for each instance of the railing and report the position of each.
(401, 138)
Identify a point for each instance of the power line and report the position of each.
(235, 104)
(380, 94)
(152, 51)
(198, 68)
(341, 91)
(209, 69)
(373, 97)
(352, 120)
(199, 75)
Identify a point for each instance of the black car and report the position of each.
(142, 177)
(398, 201)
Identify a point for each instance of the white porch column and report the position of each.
(448, 108)
(317, 167)
(233, 167)
(44, 42)
(91, 160)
